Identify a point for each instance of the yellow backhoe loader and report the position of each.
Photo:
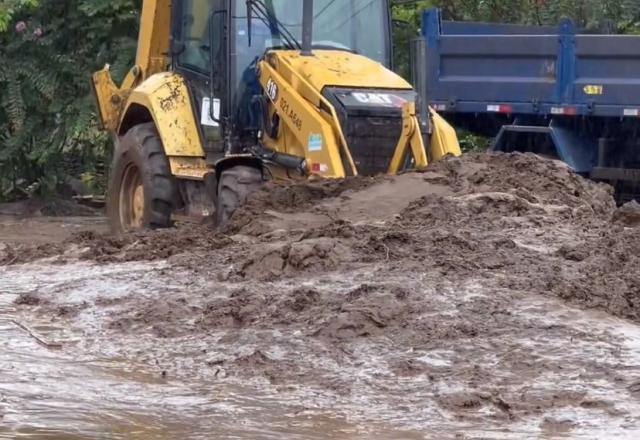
(226, 94)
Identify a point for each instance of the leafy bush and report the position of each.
(48, 128)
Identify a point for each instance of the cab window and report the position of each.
(194, 34)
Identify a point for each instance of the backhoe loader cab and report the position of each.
(222, 41)
(228, 93)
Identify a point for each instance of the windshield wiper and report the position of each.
(322, 45)
(270, 20)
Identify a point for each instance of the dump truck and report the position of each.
(554, 91)
(226, 94)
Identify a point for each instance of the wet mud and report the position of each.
(490, 296)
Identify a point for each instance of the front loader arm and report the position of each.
(314, 137)
(410, 138)
(443, 140)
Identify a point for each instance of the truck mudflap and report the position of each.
(577, 152)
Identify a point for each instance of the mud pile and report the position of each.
(526, 220)
(107, 248)
(460, 216)
(489, 186)
(25, 253)
(150, 245)
(51, 208)
(522, 219)
(441, 291)
(602, 273)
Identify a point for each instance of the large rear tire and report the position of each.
(234, 187)
(142, 191)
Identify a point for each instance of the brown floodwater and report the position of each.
(482, 299)
(73, 378)
(55, 383)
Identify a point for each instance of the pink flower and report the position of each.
(21, 26)
(38, 32)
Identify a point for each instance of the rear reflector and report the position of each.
(570, 111)
(319, 168)
(502, 108)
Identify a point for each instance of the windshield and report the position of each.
(359, 26)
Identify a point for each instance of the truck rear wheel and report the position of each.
(234, 186)
(142, 190)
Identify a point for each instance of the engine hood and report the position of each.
(334, 68)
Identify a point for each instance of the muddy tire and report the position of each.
(234, 186)
(142, 191)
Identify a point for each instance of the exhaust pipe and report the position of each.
(419, 80)
(307, 28)
(287, 161)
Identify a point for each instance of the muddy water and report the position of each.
(452, 304)
(75, 382)
(46, 229)
(66, 374)
(48, 391)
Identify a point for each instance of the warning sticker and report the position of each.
(206, 117)
(315, 142)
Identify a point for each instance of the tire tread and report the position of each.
(155, 166)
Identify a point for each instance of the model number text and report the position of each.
(291, 114)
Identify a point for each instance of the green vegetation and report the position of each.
(48, 49)
(48, 126)
(9, 7)
(609, 16)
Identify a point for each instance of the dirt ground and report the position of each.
(491, 296)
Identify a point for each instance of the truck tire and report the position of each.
(142, 191)
(234, 186)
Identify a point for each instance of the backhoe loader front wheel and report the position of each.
(234, 186)
(142, 190)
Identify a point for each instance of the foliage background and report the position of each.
(48, 49)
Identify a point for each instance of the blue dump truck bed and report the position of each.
(478, 67)
(548, 90)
